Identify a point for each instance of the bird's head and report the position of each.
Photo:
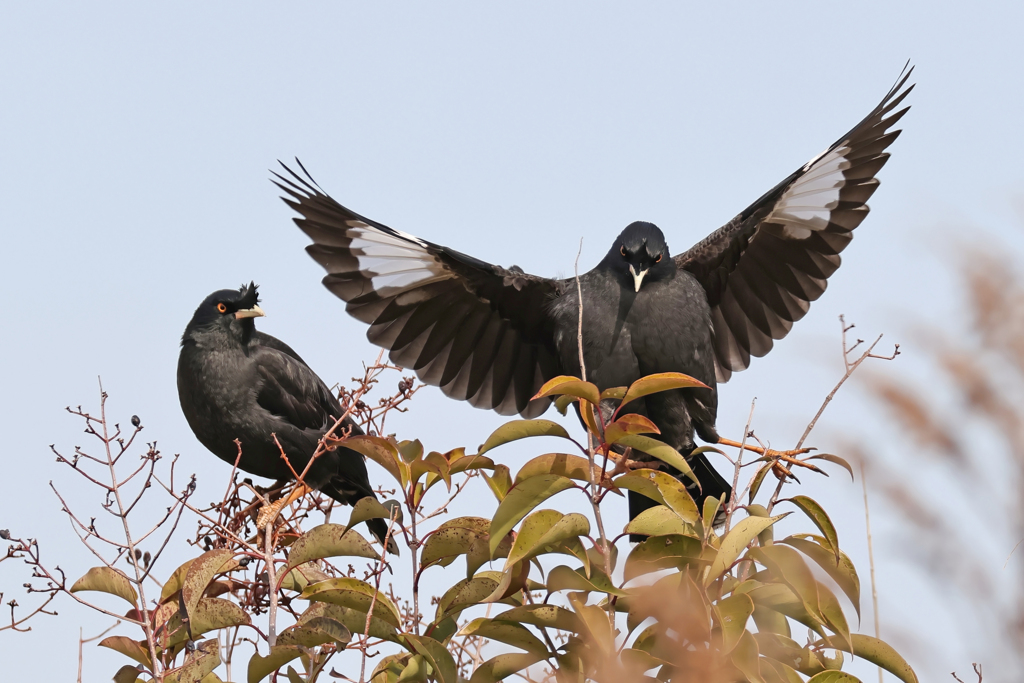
(230, 309)
(640, 254)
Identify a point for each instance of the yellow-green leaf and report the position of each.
(107, 580)
(453, 538)
(658, 521)
(127, 674)
(787, 566)
(330, 540)
(199, 575)
(733, 613)
(563, 578)
(436, 655)
(460, 462)
(828, 457)
(812, 509)
(663, 381)
(657, 449)
(662, 552)
(364, 509)
(355, 594)
(745, 658)
(520, 500)
(503, 666)
(565, 385)
(499, 481)
(199, 664)
(382, 452)
(572, 466)
(522, 429)
(465, 593)
(880, 653)
(550, 616)
(545, 528)
(833, 677)
(260, 667)
(129, 648)
(507, 632)
(735, 542)
(661, 487)
(844, 573)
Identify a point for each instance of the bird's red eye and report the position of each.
(622, 250)
(222, 308)
(658, 260)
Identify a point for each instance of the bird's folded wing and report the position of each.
(764, 267)
(478, 331)
(292, 391)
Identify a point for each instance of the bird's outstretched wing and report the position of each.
(478, 331)
(763, 268)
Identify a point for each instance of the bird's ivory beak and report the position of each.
(637, 277)
(254, 312)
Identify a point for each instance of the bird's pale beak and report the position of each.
(254, 312)
(637, 277)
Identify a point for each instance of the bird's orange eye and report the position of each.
(622, 250)
(658, 260)
(222, 308)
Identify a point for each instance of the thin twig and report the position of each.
(871, 559)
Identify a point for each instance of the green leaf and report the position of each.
(833, 459)
(460, 462)
(107, 580)
(453, 538)
(733, 613)
(439, 464)
(503, 666)
(200, 663)
(522, 429)
(261, 667)
(410, 450)
(390, 667)
(708, 514)
(210, 614)
(755, 484)
(880, 653)
(129, 648)
(500, 481)
(127, 674)
(661, 451)
(630, 423)
(507, 632)
(545, 528)
(777, 672)
(564, 385)
(550, 616)
(832, 612)
(382, 452)
(174, 583)
(436, 655)
(658, 521)
(355, 594)
(787, 566)
(661, 487)
(745, 658)
(820, 518)
(844, 573)
(662, 552)
(563, 578)
(465, 593)
(314, 632)
(330, 540)
(572, 466)
(663, 381)
(353, 620)
(735, 542)
(367, 508)
(521, 500)
(833, 677)
(199, 575)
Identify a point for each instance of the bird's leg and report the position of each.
(269, 512)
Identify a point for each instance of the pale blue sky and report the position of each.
(136, 142)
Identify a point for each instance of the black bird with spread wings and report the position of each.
(235, 382)
(492, 336)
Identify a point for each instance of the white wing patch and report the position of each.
(806, 205)
(393, 264)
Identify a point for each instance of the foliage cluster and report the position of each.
(710, 595)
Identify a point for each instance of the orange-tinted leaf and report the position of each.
(522, 429)
(664, 381)
(565, 385)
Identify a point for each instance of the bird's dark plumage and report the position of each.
(235, 382)
(493, 336)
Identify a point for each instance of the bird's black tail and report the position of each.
(379, 528)
(712, 485)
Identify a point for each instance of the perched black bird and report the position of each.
(492, 336)
(237, 383)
